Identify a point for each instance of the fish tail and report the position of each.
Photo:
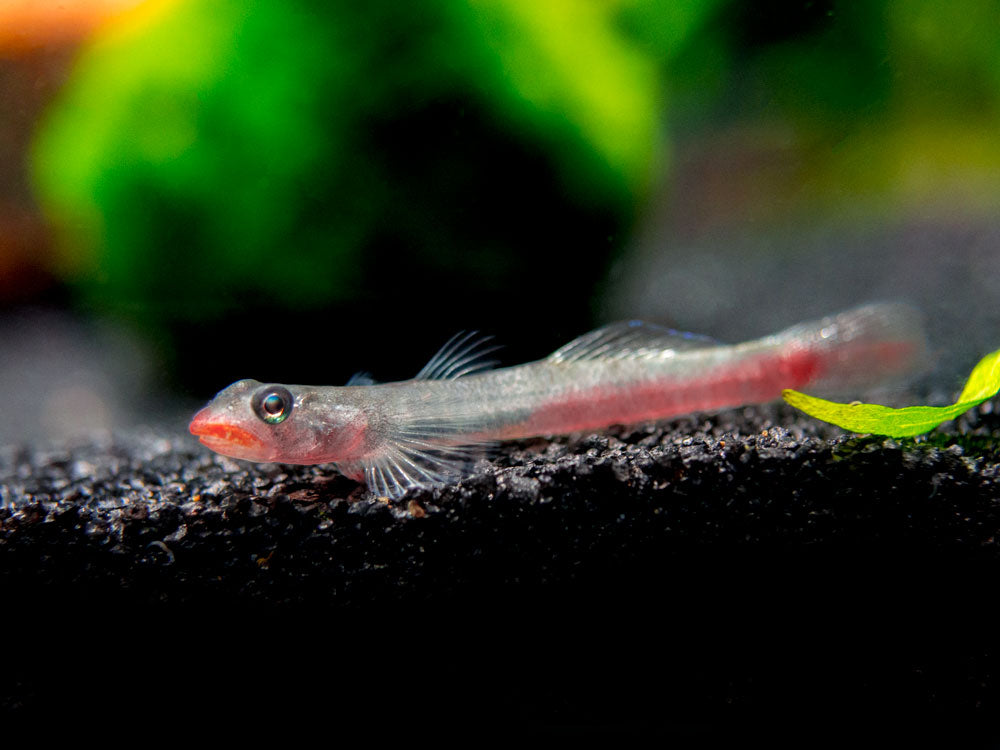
(856, 349)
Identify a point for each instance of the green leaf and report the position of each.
(983, 383)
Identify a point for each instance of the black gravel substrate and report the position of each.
(751, 574)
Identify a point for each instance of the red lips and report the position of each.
(211, 430)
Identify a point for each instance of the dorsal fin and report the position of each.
(631, 339)
(464, 354)
(362, 378)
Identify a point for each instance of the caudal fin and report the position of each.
(859, 348)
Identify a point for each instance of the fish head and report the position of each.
(261, 422)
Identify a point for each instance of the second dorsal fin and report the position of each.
(631, 339)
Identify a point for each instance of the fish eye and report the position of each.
(273, 404)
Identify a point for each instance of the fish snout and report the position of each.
(222, 435)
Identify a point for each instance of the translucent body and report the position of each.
(415, 432)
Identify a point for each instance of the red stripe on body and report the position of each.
(752, 380)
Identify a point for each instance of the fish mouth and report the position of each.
(223, 437)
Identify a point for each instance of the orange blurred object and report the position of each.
(27, 25)
(37, 42)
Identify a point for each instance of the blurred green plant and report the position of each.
(205, 156)
(290, 154)
(875, 419)
(869, 105)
